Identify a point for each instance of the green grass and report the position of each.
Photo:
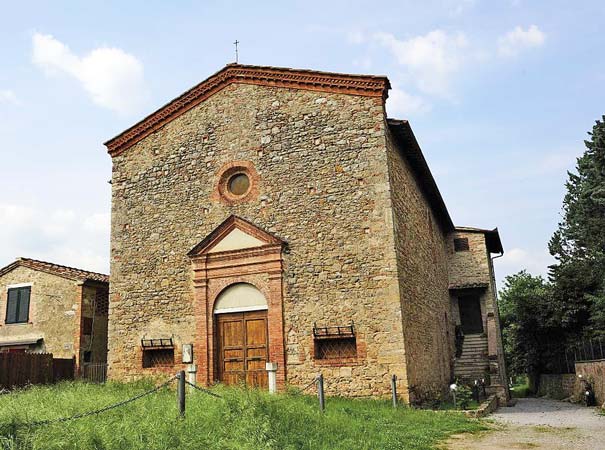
(521, 389)
(243, 419)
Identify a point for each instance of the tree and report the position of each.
(527, 324)
(578, 245)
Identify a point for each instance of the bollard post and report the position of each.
(271, 368)
(180, 393)
(191, 378)
(394, 389)
(320, 393)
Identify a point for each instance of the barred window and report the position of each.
(336, 348)
(461, 244)
(160, 357)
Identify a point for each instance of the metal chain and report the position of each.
(307, 386)
(206, 391)
(98, 411)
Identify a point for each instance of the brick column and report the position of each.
(78, 327)
(200, 311)
(275, 317)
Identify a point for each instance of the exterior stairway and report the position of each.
(473, 364)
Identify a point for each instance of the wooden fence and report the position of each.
(21, 369)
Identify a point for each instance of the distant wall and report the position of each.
(567, 385)
(558, 386)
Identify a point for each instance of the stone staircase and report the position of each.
(473, 363)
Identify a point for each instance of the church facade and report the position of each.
(273, 215)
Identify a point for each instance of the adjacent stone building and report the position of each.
(50, 308)
(277, 215)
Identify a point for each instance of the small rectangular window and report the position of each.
(336, 348)
(17, 305)
(461, 244)
(160, 357)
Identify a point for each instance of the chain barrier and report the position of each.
(300, 391)
(97, 411)
(205, 391)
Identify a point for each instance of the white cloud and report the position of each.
(517, 259)
(517, 40)
(430, 60)
(402, 104)
(61, 236)
(113, 78)
(8, 96)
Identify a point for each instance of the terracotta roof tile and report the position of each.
(56, 269)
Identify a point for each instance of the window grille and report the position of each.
(461, 244)
(337, 348)
(158, 357)
(335, 342)
(157, 352)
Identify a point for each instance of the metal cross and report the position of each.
(236, 53)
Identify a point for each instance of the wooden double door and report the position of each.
(243, 348)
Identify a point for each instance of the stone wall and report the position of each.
(472, 266)
(53, 308)
(322, 187)
(558, 386)
(594, 372)
(423, 283)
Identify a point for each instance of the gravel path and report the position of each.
(539, 423)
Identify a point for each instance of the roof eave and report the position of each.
(405, 138)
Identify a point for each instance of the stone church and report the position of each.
(272, 215)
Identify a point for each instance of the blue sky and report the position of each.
(500, 95)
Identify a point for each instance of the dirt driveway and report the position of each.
(539, 423)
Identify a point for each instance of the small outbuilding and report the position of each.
(47, 307)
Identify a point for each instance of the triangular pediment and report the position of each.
(233, 234)
(363, 85)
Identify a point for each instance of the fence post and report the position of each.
(180, 393)
(394, 389)
(192, 371)
(320, 392)
(271, 369)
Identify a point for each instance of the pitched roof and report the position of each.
(365, 85)
(56, 269)
(410, 150)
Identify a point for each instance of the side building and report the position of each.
(50, 308)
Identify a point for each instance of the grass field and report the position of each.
(241, 419)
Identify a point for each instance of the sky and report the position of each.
(500, 95)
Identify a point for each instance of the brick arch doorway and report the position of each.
(237, 251)
(242, 336)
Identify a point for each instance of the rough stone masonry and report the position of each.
(364, 236)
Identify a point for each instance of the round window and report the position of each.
(238, 184)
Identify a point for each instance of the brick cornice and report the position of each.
(364, 85)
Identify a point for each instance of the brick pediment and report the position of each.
(235, 234)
